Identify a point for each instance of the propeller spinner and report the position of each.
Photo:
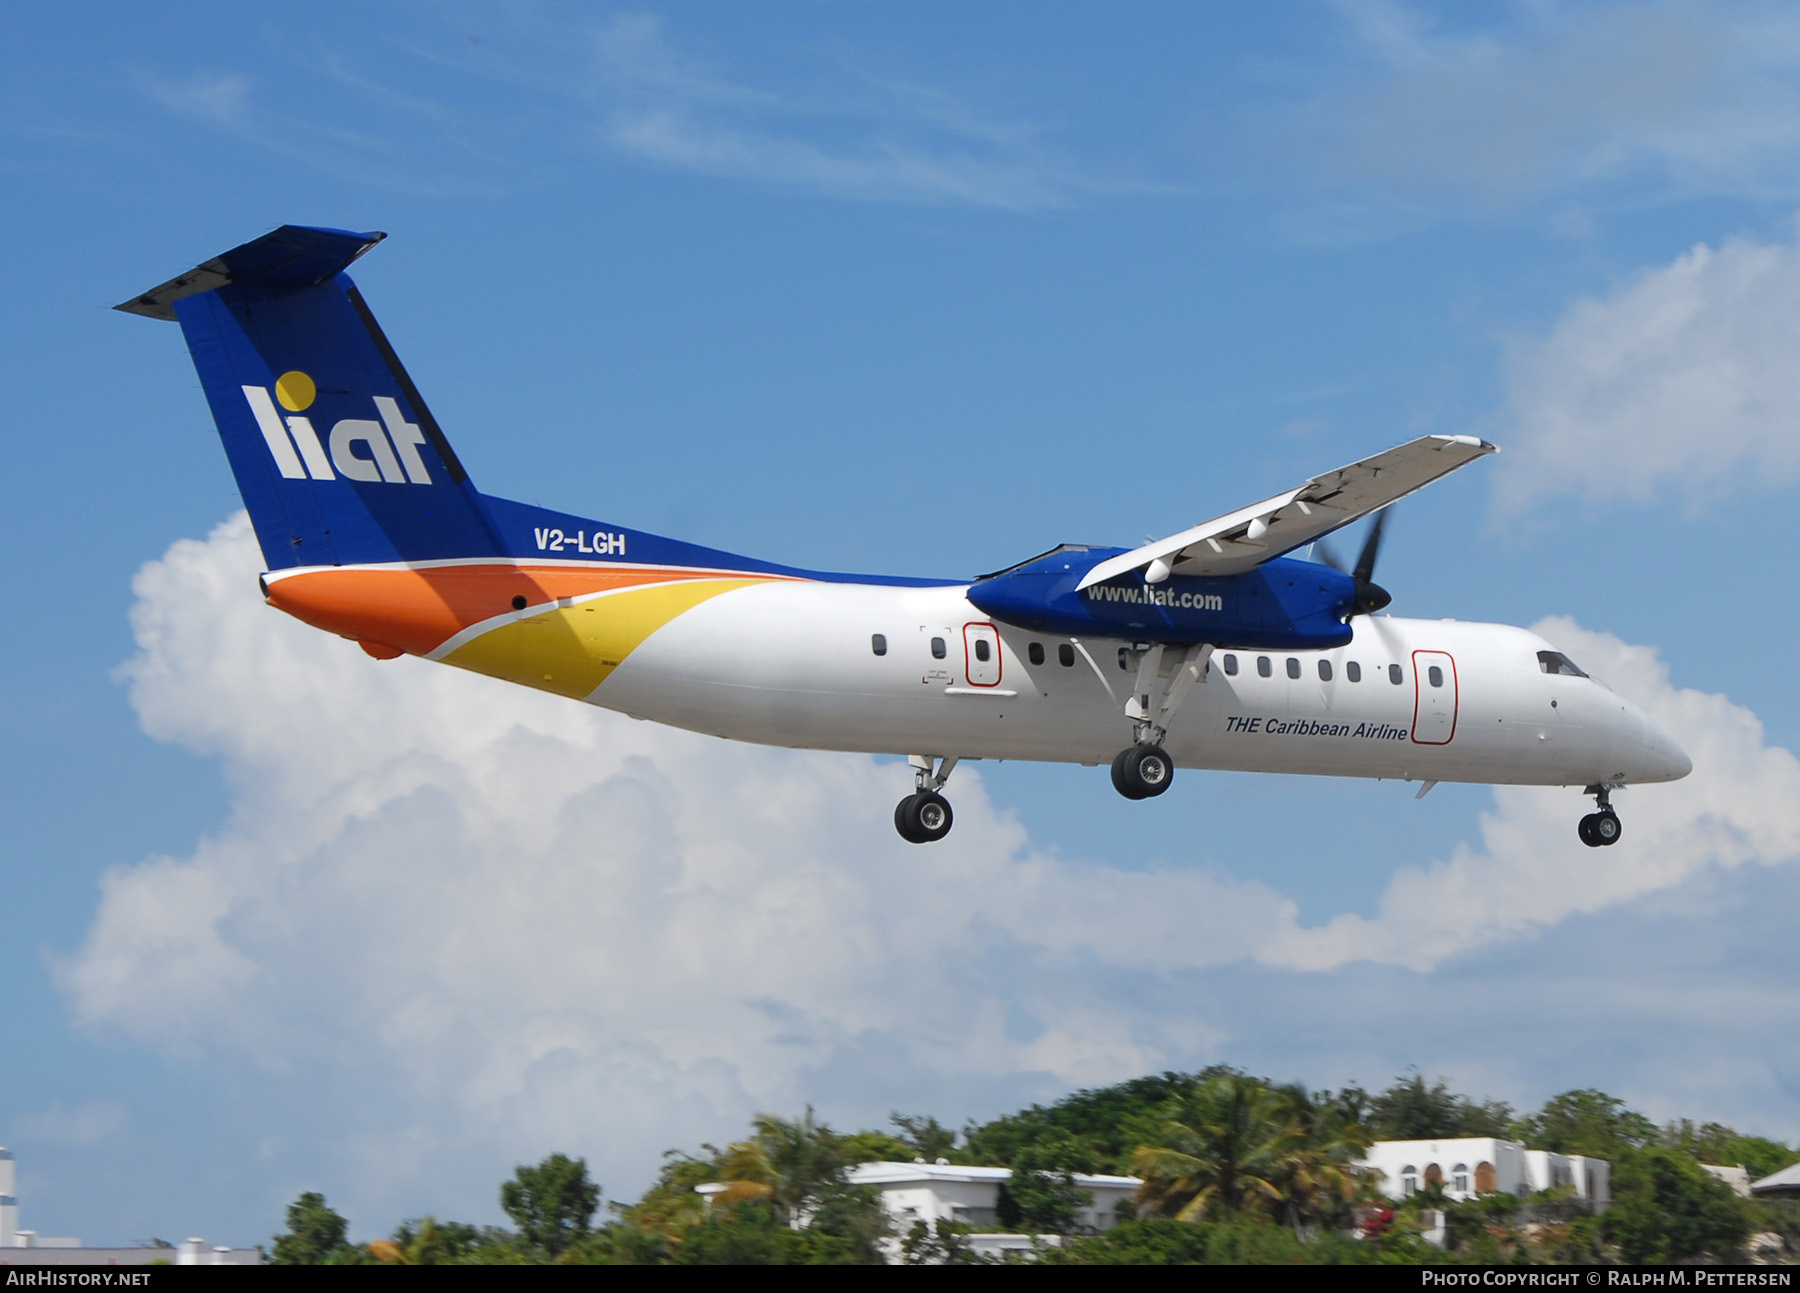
(1370, 596)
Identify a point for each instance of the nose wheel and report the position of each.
(1142, 771)
(924, 817)
(1165, 675)
(1598, 830)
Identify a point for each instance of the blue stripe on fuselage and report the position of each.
(536, 533)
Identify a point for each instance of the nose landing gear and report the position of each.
(1597, 830)
(924, 817)
(1165, 675)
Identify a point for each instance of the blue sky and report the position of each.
(906, 289)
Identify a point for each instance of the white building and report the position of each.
(10, 1234)
(1476, 1165)
(1736, 1177)
(944, 1191)
(28, 1248)
(1784, 1184)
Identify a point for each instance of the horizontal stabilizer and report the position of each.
(291, 256)
(1244, 539)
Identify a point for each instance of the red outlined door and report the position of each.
(1434, 704)
(981, 647)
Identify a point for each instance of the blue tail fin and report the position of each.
(336, 455)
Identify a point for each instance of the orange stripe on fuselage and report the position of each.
(418, 611)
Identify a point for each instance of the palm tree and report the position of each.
(789, 1161)
(1224, 1147)
(1324, 1174)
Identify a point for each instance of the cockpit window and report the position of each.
(1557, 662)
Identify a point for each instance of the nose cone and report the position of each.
(1663, 759)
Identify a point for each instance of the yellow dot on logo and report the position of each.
(295, 390)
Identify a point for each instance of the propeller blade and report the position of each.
(1327, 554)
(1365, 560)
(1370, 596)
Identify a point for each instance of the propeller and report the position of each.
(1370, 596)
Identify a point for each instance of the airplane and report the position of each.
(1213, 648)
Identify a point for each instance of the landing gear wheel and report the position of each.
(1119, 779)
(1598, 830)
(923, 818)
(909, 830)
(1142, 771)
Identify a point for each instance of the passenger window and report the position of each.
(1065, 655)
(1436, 675)
(982, 650)
(938, 649)
(1293, 667)
(1353, 671)
(1395, 676)
(1324, 671)
(1231, 665)
(878, 643)
(1036, 652)
(1262, 666)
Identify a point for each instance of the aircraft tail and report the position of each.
(337, 458)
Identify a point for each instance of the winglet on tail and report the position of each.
(292, 256)
(337, 458)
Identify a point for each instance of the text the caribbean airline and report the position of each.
(1208, 649)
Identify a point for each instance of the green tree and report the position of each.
(875, 1147)
(1713, 1142)
(1322, 1176)
(1665, 1209)
(789, 1161)
(796, 1171)
(316, 1236)
(552, 1204)
(1587, 1122)
(1161, 1242)
(1411, 1110)
(1110, 1121)
(671, 1205)
(618, 1243)
(927, 1137)
(940, 1243)
(1042, 1197)
(751, 1233)
(1222, 1146)
(427, 1241)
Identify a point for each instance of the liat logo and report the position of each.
(360, 448)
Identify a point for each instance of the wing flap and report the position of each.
(1244, 539)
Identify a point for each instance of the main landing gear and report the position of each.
(924, 817)
(1165, 675)
(1597, 830)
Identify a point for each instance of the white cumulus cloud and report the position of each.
(451, 925)
(1679, 383)
(1741, 804)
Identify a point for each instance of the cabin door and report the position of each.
(981, 642)
(1434, 710)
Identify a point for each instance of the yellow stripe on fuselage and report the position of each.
(573, 649)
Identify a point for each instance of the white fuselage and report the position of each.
(793, 664)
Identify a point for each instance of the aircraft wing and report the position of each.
(1240, 540)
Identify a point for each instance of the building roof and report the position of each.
(1786, 1181)
(925, 1173)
